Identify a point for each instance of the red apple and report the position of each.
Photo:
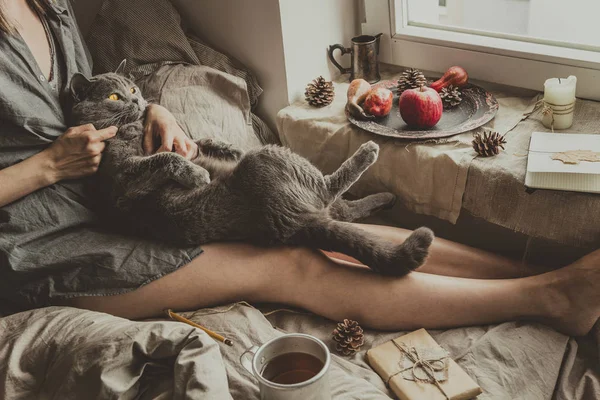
(379, 102)
(456, 76)
(421, 108)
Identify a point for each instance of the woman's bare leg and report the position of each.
(453, 259)
(568, 299)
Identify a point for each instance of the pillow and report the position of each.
(214, 59)
(206, 103)
(85, 12)
(129, 29)
(217, 60)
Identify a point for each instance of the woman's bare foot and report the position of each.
(574, 295)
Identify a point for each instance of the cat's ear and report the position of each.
(79, 83)
(121, 68)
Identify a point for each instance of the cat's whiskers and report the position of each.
(116, 119)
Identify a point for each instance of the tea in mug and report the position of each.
(290, 368)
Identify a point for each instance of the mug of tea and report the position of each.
(290, 367)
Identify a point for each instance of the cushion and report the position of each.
(128, 30)
(85, 13)
(207, 103)
(212, 58)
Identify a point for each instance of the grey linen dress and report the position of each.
(52, 245)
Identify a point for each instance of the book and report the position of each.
(544, 172)
(392, 365)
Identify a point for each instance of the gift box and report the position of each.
(415, 367)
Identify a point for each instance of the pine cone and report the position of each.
(411, 79)
(451, 96)
(319, 92)
(349, 337)
(488, 144)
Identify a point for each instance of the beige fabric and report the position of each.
(566, 217)
(65, 353)
(206, 102)
(71, 354)
(442, 179)
(514, 360)
(509, 361)
(428, 178)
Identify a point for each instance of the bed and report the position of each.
(66, 353)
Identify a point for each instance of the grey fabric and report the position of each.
(263, 132)
(52, 245)
(85, 13)
(58, 78)
(71, 354)
(128, 30)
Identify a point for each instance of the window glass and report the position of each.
(572, 23)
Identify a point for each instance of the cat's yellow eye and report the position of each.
(114, 96)
(132, 90)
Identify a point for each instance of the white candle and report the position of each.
(559, 94)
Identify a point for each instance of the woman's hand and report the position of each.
(161, 132)
(77, 152)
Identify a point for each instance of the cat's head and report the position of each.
(105, 100)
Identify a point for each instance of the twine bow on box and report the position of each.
(425, 365)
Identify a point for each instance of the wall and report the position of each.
(309, 27)
(284, 42)
(251, 32)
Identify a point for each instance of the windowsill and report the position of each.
(503, 46)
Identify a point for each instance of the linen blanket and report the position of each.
(66, 353)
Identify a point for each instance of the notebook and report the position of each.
(545, 173)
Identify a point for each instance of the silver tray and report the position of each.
(477, 108)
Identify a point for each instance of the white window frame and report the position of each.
(502, 60)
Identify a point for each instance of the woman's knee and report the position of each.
(288, 273)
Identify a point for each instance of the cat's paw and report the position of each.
(222, 150)
(386, 200)
(411, 254)
(368, 152)
(416, 247)
(235, 154)
(195, 177)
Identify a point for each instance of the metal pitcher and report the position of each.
(364, 51)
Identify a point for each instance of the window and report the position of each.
(552, 22)
(515, 42)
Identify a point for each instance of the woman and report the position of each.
(53, 249)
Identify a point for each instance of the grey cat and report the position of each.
(267, 196)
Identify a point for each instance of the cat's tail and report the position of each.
(380, 255)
